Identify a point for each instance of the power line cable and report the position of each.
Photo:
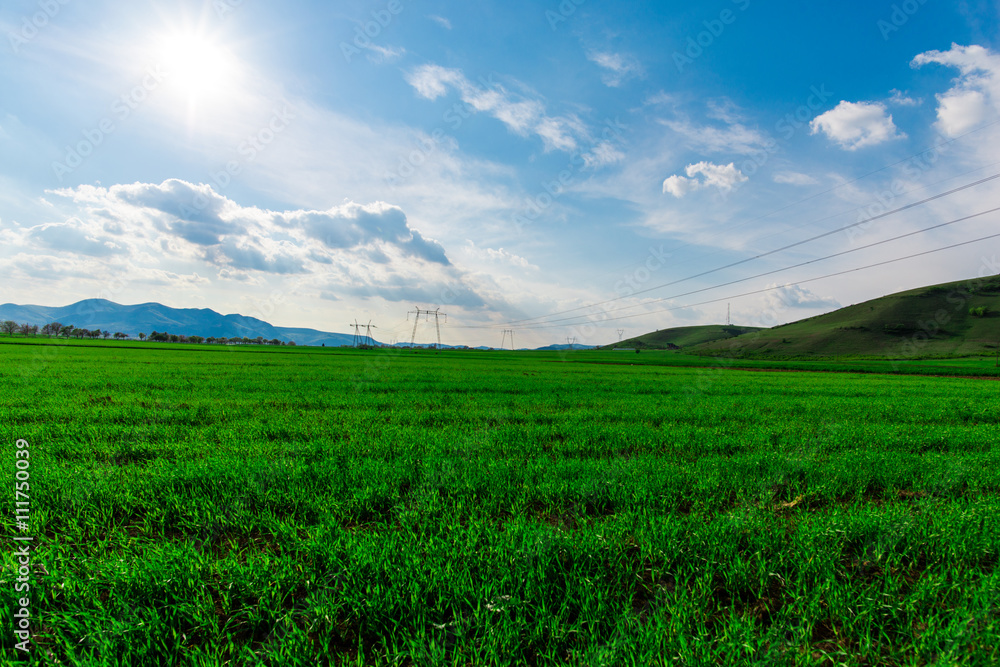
(846, 183)
(787, 268)
(798, 282)
(764, 254)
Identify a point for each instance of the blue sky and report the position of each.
(512, 164)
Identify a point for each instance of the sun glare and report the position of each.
(195, 67)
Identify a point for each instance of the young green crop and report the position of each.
(198, 506)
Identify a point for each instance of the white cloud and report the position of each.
(498, 255)
(856, 125)
(975, 96)
(521, 115)
(384, 54)
(158, 241)
(796, 296)
(618, 68)
(432, 81)
(734, 137)
(440, 20)
(794, 178)
(194, 222)
(899, 98)
(960, 111)
(657, 99)
(604, 153)
(78, 237)
(723, 177)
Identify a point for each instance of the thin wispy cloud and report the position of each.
(794, 178)
(617, 67)
(523, 116)
(441, 21)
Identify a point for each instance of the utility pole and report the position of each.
(417, 312)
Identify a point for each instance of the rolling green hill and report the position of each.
(948, 320)
(682, 337)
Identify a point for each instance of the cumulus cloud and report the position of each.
(961, 110)
(618, 68)
(248, 255)
(723, 177)
(75, 236)
(522, 116)
(855, 125)
(193, 212)
(975, 94)
(143, 238)
(193, 222)
(352, 225)
(408, 290)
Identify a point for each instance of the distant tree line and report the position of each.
(59, 330)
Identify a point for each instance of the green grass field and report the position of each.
(246, 506)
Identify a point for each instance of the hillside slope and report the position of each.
(682, 337)
(928, 321)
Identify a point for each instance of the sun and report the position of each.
(195, 66)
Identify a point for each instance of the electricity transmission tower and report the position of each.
(728, 310)
(366, 340)
(417, 312)
(357, 333)
(504, 339)
(571, 341)
(621, 332)
(369, 340)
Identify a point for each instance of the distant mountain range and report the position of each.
(149, 317)
(564, 346)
